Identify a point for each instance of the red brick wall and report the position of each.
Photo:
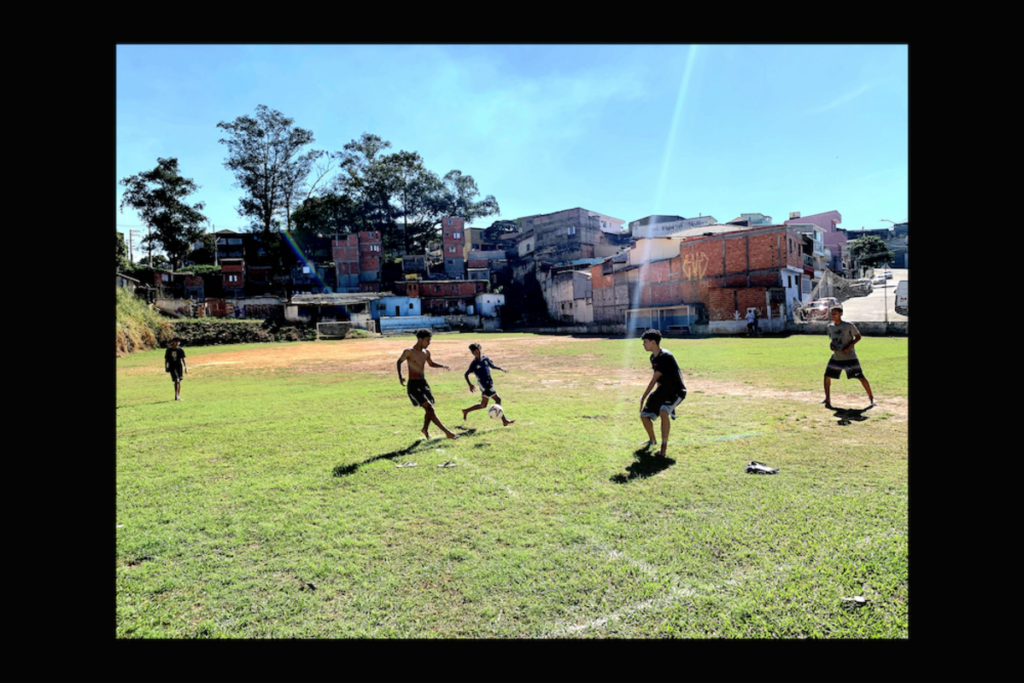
(597, 280)
(238, 271)
(724, 302)
(346, 248)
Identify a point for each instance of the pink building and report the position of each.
(834, 240)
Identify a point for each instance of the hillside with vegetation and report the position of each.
(138, 326)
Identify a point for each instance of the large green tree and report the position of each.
(396, 193)
(870, 251)
(369, 183)
(264, 156)
(159, 198)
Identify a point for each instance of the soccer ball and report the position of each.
(495, 411)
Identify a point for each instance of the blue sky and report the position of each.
(625, 130)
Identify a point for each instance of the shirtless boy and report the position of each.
(418, 358)
(481, 368)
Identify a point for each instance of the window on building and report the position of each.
(449, 221)
(571, 230)
(457, 235)
(451, 250)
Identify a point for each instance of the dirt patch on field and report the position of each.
(378, 356)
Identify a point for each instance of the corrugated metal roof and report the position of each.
(337, 299)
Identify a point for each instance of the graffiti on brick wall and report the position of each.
(695, 266)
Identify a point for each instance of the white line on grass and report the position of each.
(675, 593)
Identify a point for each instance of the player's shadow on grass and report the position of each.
(647, 464)
(342, 470)
(848, 415)
(416, 446)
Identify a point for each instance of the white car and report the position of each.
(878, 279)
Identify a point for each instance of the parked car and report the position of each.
(878, 279)
(861, 287)
(902, 302)
(818, 309)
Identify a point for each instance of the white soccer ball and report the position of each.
(495, 411)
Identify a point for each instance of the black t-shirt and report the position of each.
(173, 356)
(671, 376)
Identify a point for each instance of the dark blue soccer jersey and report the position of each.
(482, 369)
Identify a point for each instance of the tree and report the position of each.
(870, 251)
(369, 184)
(122, 253)
(263, 154)
(155, 261)
(498, 228)
(326, 214)
(397, 195)
(159, 197)
(460, 198)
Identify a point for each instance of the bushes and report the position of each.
(213, 331)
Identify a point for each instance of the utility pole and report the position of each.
(132, 236)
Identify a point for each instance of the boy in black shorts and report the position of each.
(174, 362)
(843, 336)
(481, 368)
(418, 358)
(670, 392)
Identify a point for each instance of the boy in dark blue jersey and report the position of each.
(670, 392)
(481, 368)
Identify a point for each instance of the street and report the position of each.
(873, 306)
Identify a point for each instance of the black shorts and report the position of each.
(419, 392)
(835, 368)
(175, 374)
(487, 391)
(662, 400)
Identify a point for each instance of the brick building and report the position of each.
(722, 268)
(232, 272)
(453, 247)
(357, 262)
(439, 297)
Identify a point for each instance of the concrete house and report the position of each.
(396, 306)
(570, 235)
(567, 291)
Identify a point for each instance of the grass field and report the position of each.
(269, 504)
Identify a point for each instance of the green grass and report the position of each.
(266, 479)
